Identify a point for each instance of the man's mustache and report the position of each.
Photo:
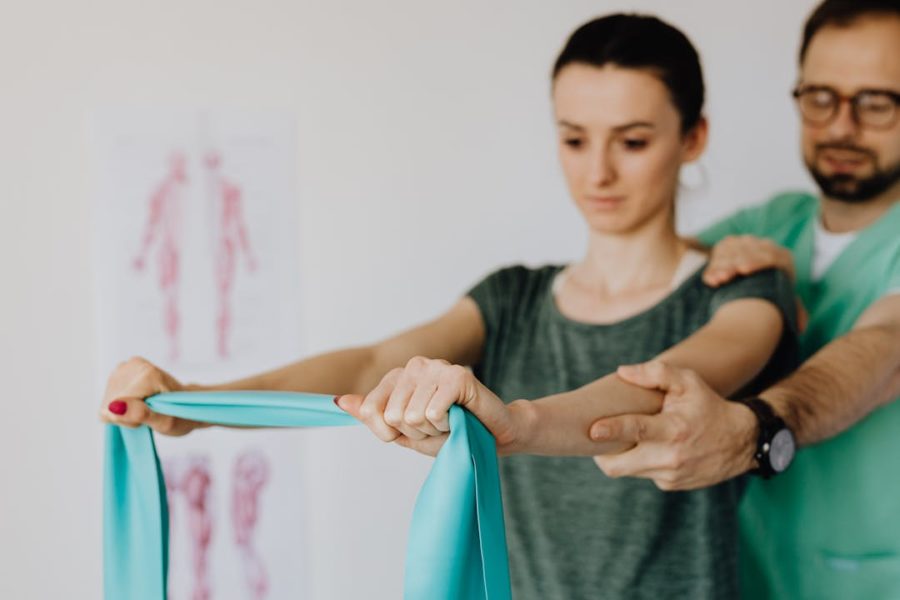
(845, 147)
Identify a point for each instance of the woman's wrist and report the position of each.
(524, 422)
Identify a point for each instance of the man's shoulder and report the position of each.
(780, 219)
(790, 206)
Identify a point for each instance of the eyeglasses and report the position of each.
(874, 109)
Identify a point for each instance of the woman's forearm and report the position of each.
(558, 425)
(726, 353)
(350, 371)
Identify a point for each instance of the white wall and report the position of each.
(426, 159)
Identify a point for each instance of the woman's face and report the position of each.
(620, 145)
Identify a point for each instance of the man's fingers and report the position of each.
(652, 375)
(716, 275)
(802, 316)
(629, 429)
(648, 461)
(633, 463)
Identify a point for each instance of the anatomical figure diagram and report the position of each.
(190, 480)
(163, 232)
(163, 228)
(230, 238)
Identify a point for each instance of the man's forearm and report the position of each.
(840, 384)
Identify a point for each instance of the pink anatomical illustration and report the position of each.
(191, 480)
(229, 238)
(250, 474)
(163, 230)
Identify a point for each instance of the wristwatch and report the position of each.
(775, 445)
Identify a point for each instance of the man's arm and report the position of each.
(846, 380)
(834, 389)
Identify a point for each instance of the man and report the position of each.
(830, 526)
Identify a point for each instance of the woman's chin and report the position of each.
(609, 224)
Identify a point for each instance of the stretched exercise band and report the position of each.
(457, 543)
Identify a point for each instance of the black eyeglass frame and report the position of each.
(854, 101)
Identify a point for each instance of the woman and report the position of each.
(628, 96)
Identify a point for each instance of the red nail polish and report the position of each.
(117, 407)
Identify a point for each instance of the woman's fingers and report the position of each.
(372, 410)
(133, 412)
(412, 403)
(430, 445)
(438, 410)
(415, 415)
(123, 401)
(395, 410)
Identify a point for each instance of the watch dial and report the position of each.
(782, 451)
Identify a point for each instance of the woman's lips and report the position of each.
(604, 202)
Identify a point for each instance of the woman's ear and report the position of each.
(694, 142)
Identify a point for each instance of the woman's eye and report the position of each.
(573, 143)
(634, 144)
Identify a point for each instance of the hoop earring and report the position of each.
(693, 177)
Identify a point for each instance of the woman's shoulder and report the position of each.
(772, 285)
(513, 289)
(516, 277)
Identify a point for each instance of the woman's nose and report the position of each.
(601, 168)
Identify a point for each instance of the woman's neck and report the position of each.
(634, 262)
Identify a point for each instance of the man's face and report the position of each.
(850, 161)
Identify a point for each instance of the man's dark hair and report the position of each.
(843, 13)
(641, 42)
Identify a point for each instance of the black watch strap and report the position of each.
(769, 425)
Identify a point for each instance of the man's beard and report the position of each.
(849, 188)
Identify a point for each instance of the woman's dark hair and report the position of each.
(641, 42)
(843, 13)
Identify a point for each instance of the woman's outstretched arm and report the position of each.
(727, 352)
(457, 336)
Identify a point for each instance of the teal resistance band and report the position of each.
(457, 542)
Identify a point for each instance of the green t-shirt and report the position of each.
(574, 533)
(830, 526)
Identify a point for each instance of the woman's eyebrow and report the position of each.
(617, 128)
(633, 124)
(568, 125)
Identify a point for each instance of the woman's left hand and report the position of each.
(411, 405)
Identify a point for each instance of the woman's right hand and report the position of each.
(128, 385)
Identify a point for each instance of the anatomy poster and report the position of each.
(197, 271)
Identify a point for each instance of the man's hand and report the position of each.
(698, 439)
(738, 255)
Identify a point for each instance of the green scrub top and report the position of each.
(830, 526)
